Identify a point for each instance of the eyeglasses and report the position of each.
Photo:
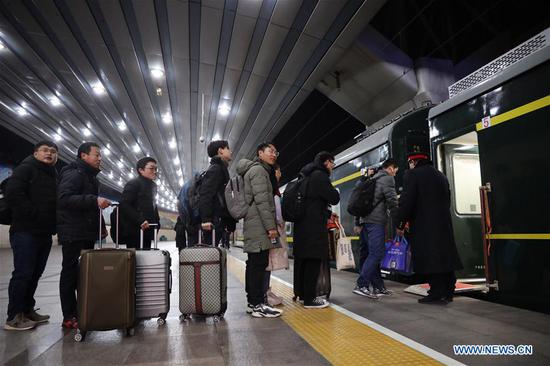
(271, 151)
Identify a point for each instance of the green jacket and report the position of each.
(261, 213)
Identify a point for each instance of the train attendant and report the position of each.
(425, 203)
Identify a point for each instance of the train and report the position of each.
(490, 140)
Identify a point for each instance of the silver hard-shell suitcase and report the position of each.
(153, 282)
(203, 281)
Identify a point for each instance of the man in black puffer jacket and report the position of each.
(137, 205)
(212, 207)
(31, 196)
(77, 220)
(310, 232)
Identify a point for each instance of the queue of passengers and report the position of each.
(44, 203)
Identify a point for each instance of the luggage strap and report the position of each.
(198, 288)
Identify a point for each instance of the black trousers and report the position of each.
(219, 233)
(30, 255)
(134, 239)
(68, 282)
(254, 276)
(441, 284)
(309, 274)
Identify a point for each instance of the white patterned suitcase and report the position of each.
(153, 282)
(203, 281)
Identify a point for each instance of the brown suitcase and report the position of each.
(106, 289)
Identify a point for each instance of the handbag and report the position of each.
(278, 257)
(397, 256)
(344, 252)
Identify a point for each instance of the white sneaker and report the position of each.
(317, 303)
(249, 308)
(265, 311)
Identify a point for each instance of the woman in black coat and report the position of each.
(425, 203)
(310, 233)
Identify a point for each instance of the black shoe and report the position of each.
(432, 300)
(448, 298)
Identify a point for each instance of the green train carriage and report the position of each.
(492, 143)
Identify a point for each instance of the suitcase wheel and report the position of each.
(130, 332)
(79, 336)
(161, 321)
(185, 317)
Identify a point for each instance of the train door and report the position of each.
(458, 159)
(513, 149)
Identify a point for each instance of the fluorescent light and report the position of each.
(121, 125)
(136, 148)
(57, 137)
(120, 183)
(54, 101)
(157, 73)
(86, 132)
(21, 111)
(2, 46)
(98, 88)
(172, 144)
(216, 137)
(120, 164)
(224, 109)
(111, 175)
(166, 118)
(180, 173)
(106, 152)
(181, 182)
(177, 161)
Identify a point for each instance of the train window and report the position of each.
(467, 179)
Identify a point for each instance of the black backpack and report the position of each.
(188, 198)
(361, 202)
(293, 202)
(5, 211)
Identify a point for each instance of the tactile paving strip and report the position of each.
(338, 337)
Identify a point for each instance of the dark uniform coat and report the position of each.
(426, 203)
(310, 233)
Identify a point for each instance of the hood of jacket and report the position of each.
(244, 165)
(32, 161)
(80, 164)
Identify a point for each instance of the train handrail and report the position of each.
(486, 227)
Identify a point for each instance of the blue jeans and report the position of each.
(30, 255)
(370, 272)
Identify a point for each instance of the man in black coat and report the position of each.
(78, 210)
(31, 196)
(425, 203)
(310, 232)
(137, 205)
(212, 207)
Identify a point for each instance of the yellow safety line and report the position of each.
(347, 179)
(519, 236)
(517, 112)
(337, 337)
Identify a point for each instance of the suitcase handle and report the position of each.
(154, 227)
(201, 244)
(113, 204)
